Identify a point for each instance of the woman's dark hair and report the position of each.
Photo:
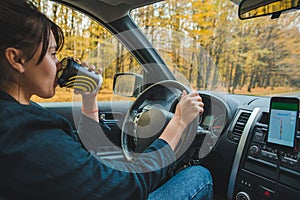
(25, 28)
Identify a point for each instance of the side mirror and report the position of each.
(255, 8)
(127, 84)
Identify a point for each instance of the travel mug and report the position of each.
(73, 75)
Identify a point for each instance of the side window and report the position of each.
(88, 41)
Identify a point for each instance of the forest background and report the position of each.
(252, 57)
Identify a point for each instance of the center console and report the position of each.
(262, 169)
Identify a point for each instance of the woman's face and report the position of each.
(40, 79)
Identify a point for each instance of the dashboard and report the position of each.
(244, 165)
(262, 170)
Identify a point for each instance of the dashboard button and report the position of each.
(266, 192)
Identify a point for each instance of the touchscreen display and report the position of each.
(283, 123)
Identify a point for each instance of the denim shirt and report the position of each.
(41, 157)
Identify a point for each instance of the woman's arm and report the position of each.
(187, 109)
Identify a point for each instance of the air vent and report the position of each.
(239, 126)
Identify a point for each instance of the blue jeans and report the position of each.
(193, 182)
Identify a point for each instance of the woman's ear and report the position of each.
(14, 58)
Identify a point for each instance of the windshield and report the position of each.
(208, 47)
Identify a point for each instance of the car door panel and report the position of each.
(112, 113)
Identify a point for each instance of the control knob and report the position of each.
(254, 150)
(242, 196)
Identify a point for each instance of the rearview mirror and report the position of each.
(255, 8)
(127, 84)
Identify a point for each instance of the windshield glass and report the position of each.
(208, 47)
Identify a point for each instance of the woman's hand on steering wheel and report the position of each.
(188, 108)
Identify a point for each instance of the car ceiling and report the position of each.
(106, 10)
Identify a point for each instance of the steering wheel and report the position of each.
(148, 117)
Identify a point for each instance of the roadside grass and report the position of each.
(267, 91)
(67, 95)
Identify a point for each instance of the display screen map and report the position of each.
(283, 123)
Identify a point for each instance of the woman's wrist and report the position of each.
(90, 112)
(173, 131)
(179, 121)
(89, 102)
(90, 106)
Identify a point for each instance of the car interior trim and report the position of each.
(239, 151)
